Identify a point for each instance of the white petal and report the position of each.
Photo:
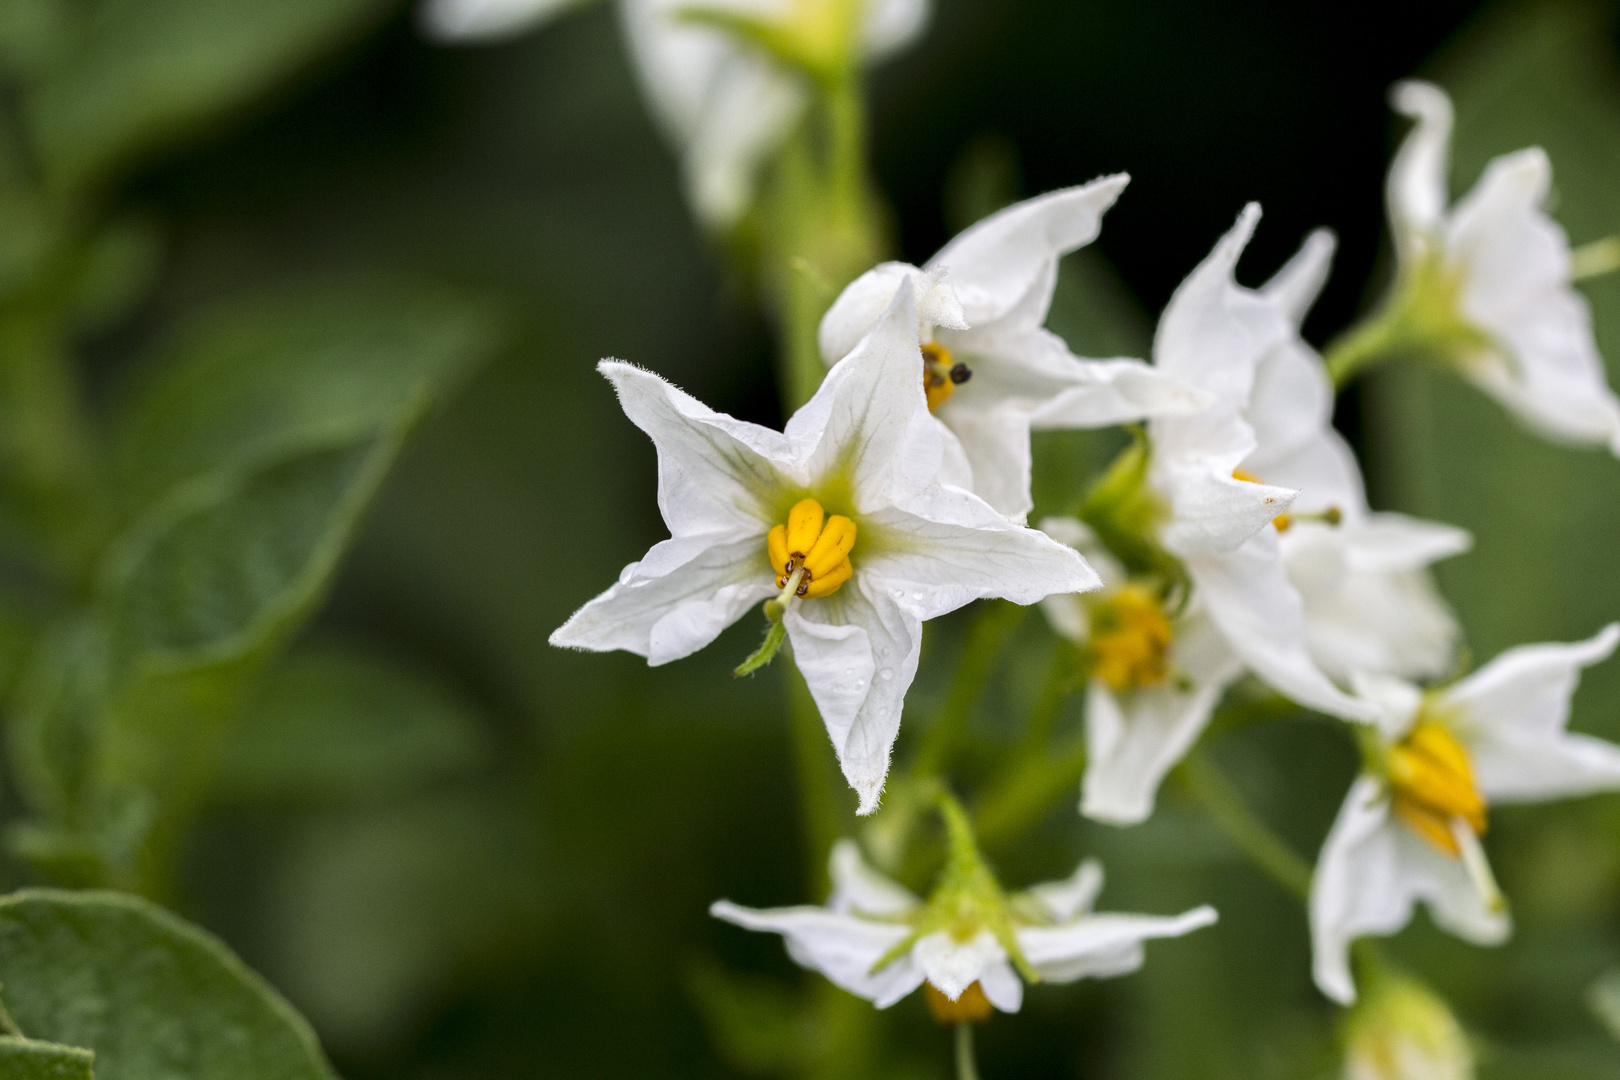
(841, 947)
(714, 473)
(1515, 265)
(948, 548)
(860, 890)
(1072, 897)
(674, 601)
(868, 425)
(858, 650)
(1370, 875)
(1214, 332)
(1099, 946)
(723, 105)
(1107, 392)
(1512, 714)
(479, 21)
(996, 443)
(994, 263)
(1416, 190)
(891, 25)
(1296, 286)
(1078, 535)
(1134, 739)
(1261, 615)
(864, 300)
(953, 966)
(1370, 604)
(1296, 446)
(1211, 511)
(1396, 700)
(1001, 985)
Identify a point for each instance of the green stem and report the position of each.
(1362, 347)
(1243, 827)
(992, 625)
(966, 1067)
(816, 775)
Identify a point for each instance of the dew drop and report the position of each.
(886, 674)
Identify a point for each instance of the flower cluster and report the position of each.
(1231, 542)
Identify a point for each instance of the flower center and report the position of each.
(1433, 787)
(940, 374)
(810, 554)
(971, 1007)
(1130, 639)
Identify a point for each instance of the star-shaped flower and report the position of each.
(992, 370)
(1485, 285)
(1369, 602)
(876, 939)
(842, 517)
(1409, 828)
(723, 102)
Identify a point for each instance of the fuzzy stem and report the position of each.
(1243, 827)
(966, 1067)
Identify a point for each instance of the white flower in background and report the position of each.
(1155, 679)
(1216, 519)
(992, 370)
(877, 940)
(1487, 281)
(1401, 1031)
(841, 517)
(1370, 604)
(723, 103)
(1409, 829)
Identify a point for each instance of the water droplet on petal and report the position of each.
(886, 674)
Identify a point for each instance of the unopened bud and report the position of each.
(1401, 1030)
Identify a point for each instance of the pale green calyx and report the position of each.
(1422, 319)
(967, 900)
(819, 37)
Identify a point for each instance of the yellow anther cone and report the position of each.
(1433, 784)
(804, 525)
(831, 547)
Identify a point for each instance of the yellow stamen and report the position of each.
(813, 549)
(941, 374)
(1130, 639)
(1433, 786)
(971, 1007)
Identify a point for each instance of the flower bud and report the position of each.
(1401, 1030)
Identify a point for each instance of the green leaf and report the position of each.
(336, 723)
(130, 75)
(246, 460)
(28, 1059)
(152, 995)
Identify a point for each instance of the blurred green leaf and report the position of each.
(127, 75)
(152, 995)
(28, 1059)
(246, 461)
(335, 723)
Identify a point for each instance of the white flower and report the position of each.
(993, 371)
(1369, 602)
(1409, 828)
(1216, 519)
(1495, 269)
(723, 103)
(842, 513)
(865, 940)
(1155, 679)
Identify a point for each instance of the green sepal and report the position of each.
(766, 651)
